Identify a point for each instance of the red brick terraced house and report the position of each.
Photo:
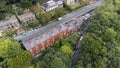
(44, 37)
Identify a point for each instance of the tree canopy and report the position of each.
(12, 55)
(100, 45)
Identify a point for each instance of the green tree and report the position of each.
(20, 61)
(101, 63)
(12, 1)
(9, 48)
(26, 3)
(38, 65)
(66, 49)
(20, 11)
(35, 1)
(79, 65)
(100, 46)
(41, 2)
(59, 12)
(44, 18)
(57, 63)
(57, 45)
(34, 24)
(51, 57)
(3, 6)
(1, 16)
(109, 34)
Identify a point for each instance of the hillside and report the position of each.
(101, 45)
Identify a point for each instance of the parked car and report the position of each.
(59, 18)
(81, 38)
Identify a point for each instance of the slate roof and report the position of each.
(8, 20)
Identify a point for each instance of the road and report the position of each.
(66, 18)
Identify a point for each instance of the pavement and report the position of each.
(66, 18)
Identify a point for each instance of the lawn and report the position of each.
(73, 38)
(74, 7)
(79, 5)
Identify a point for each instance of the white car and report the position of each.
(59, 18)
(81, 38)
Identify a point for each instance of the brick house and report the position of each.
(47, 35)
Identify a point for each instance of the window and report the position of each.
(36, 51)
(42, 43)
(43, 47)
(64, 33)
(37, 48)
(53, 39)
(31, 50)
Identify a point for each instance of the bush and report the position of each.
(74, 7)
(77, 6)
(67, 7)
(44, 18)
(59, 12)
(34, 24)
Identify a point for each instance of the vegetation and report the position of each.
(74, 7)
(3, 7)
(20, 60)
(58, 56)
(9, 33)
(44, 18)
(12, 55)
(19, 11)
(66, 49)
(6, 6)
(79, 5)
(100, 46)
(59, 12)
(52, 58)
(12, 7)
(1, 16)
(73, 39)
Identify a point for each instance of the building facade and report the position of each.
(40, 40)
(51, 5)
(27, 17)
(71, 2)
